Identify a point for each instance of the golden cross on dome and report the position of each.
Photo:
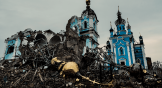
(88, 2)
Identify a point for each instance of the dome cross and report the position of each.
(88, 2)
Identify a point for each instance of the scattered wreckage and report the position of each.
(60, 63)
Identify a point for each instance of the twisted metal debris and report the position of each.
(59, 63)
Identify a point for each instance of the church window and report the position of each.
(85, 24)
(10, 49)
(123, 27)
(136, 51)
(119, 27)
(138, 61)
(75, 28)
(121, 51)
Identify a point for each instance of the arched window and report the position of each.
(85, 24)
(10, 49)
(119, 27)
(138, 61)
(75, 28)
(121, 51)
(136, 51)
(123, 28)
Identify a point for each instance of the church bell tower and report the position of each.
(89, 23)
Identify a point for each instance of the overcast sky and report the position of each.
(145, 16)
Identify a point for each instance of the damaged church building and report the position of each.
(72, 58)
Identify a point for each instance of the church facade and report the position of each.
(122, 44)
(86, 25)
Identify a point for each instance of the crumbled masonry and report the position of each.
(60, 63)
(45, 59)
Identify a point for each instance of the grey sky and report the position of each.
(145, 16)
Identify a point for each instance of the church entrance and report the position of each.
(122, 63)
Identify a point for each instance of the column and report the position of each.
(96, 27)
(115, 53)
(132, 52)
(5, 50)
(90, 22)
(144, 58)
(79, 23)
(15, 47)
(128, 53)
(90, 44)
(111, 45)
(84, 50)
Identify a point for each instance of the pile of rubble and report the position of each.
(58, 61)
